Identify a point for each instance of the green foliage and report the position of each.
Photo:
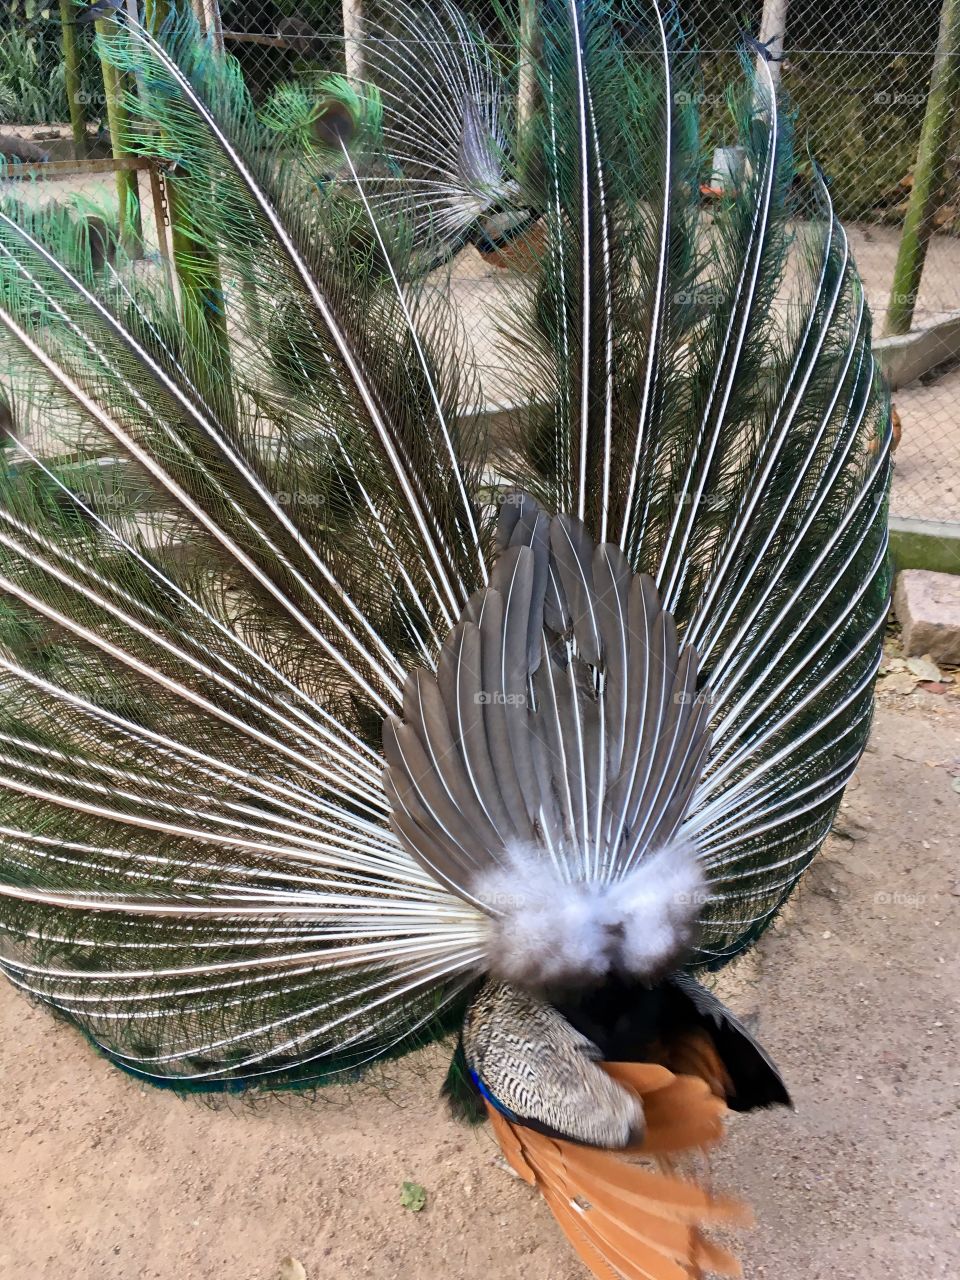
(861, 117)
(32, 81)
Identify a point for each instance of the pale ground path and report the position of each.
(926, 477)
(101, 1179)
(926, 480)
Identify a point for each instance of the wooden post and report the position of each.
(128, 192)
(527, 95)
(71, 78)
(929, 171)
(207, 14)
(352, 36)
(773, 31)
(213, 23)
(161, 214)
(196, 266)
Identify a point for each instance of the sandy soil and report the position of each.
(926, 474)
(855, 994)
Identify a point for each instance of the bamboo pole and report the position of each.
(118, 122)
(929, 171)
(71, 77)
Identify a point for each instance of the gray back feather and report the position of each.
(563, 718)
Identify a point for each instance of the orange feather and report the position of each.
(626, 1220)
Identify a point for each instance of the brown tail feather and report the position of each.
(511, 1146)
(683, 1116)
(625, 1220)
(695, 1054)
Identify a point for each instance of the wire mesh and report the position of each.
(859, 76)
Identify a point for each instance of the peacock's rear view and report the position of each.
(329, 725)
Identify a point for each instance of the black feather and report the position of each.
(631, 1022)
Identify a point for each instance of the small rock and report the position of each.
(851, 826)
(292, 1269)
(890, 666)
(902, 683)
(927, 606)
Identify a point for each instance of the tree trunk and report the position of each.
(71, 77)
(929, 171)
(128, 195)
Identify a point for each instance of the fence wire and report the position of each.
(859, 77)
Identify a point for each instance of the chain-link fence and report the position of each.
(875, 86)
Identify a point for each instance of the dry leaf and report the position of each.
(924, 668)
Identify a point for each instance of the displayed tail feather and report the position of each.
(251, 517)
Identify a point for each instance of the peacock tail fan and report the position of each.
(242, 506)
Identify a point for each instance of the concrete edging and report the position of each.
(905, 358)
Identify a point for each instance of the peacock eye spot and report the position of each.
(333, 123)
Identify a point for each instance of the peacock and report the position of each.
(337, 716)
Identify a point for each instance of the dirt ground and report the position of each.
(855, 994)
